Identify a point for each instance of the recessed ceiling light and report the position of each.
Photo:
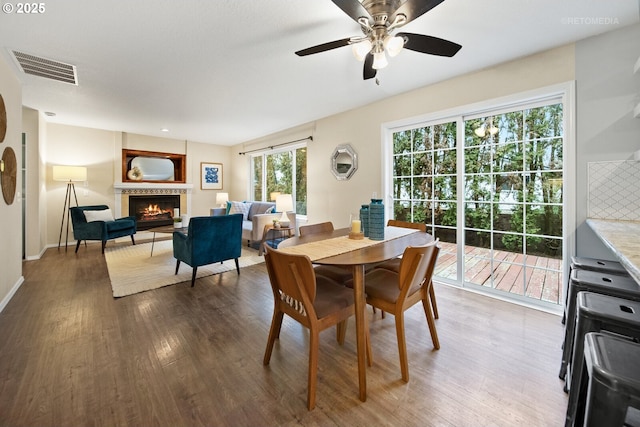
(164, 130)
(49, 114)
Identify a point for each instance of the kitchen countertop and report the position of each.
(623, 238)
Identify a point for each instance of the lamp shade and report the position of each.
(222, 199)
(69, 173)
(284, 204)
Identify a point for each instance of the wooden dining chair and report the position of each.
(394, 264)
(395, 292)
(317, 302)
(342, 275)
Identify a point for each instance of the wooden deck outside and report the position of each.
(538, 278)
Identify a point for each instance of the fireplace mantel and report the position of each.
(122, 191)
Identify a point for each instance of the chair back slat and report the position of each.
(406, 224)
(322, 227)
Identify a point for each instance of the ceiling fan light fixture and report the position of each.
(379, 60)
(393, 45)
(361, 49)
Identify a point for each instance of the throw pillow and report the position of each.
(270, 210)
(240, 207)
(103, 215)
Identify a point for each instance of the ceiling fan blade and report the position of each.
(323, 47)
(353, 8)
(413, 9)
(429, 44)
(368, 72)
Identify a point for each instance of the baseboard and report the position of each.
(11, 293)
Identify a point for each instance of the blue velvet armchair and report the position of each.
(100, 230)
(209, 239)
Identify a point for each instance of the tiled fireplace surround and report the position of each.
(124, 190)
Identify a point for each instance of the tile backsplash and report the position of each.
(614, 190)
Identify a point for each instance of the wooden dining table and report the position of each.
(396, 240)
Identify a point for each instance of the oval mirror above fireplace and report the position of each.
(152, 168)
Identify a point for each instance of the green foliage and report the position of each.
(513, 178)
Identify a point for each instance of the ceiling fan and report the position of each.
(378, 20)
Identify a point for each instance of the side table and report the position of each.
(167, 229)
(265, 233)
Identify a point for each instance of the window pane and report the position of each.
(402, 165)
(477, 187)
(477, 160)
(444, 135)
(401, 188)
(301, 181)
(422, 164)
(508, 188)
(402, 210)
(445, 187)
(544, 220)
(544, 187)
(544, 155)
(445, 162)
(478, 215)
(402, 142)
(508, 217)
(507, 157)
(445, 213)
(422, 212)
(421, 139)
(422, 187)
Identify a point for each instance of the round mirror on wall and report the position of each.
(3, 119)
(344, 162)
(8, 175)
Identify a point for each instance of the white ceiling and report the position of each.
(224, 71)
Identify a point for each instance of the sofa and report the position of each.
(97, 223)
(255, 217)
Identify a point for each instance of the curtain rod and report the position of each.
(271, 147)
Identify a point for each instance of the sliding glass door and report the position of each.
(490, 187)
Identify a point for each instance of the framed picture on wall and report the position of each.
(211, 176)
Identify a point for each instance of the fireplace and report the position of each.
(153, 210)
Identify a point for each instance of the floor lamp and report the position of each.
(68, 174)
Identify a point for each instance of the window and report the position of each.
(282, 171)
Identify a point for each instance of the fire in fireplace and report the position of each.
(153, 210)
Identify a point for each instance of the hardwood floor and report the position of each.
(71, 354)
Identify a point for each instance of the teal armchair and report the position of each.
(209, 239)
(100, 230)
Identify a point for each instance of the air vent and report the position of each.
(47, 68)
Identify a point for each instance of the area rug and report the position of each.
(132, 269)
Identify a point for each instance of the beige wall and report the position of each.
(333, 200)
(11, 215)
